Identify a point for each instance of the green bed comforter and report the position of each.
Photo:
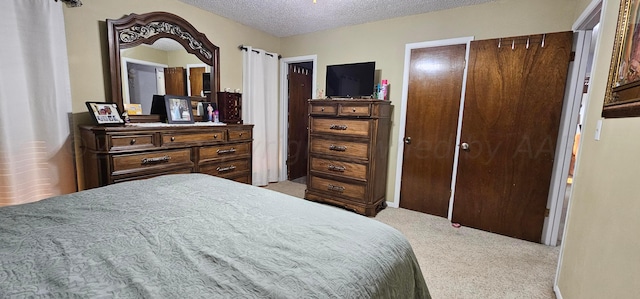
(198, 236)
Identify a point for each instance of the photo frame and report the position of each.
(622, 97)
(178, 109)
(207, 113)
(104, 113)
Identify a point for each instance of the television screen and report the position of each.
(351, 80)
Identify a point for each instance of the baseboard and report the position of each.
(556, 290)
(392, 204)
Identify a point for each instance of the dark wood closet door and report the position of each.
(511, 117)
(433, 103)
(195, 80)
(174, 81)
(299, 93)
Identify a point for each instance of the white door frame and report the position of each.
(403, 113)
(284, 106)
(586, 22)
(124, 74)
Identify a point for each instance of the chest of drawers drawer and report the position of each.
(341, 127)
(131, 142)
(239, 135)
(340, 168)
(179, 138)
(227, 169)
(341, 148)
(144, 161)
(226, 151)
(336, 187)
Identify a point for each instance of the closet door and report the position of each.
(513, 103)
(175, 81)
(433, 103)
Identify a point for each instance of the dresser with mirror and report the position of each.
(146, 147)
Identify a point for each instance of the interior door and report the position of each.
(299, 92)
(174, 81)
(195, 80)
(433, 103)
(513, 103)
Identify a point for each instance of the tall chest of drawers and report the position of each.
(118, 154)
(348, 153)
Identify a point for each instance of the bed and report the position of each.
(195, 235)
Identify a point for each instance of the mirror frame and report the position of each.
(133, 30)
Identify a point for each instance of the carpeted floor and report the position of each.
(466, 262)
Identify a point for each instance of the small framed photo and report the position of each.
(105, 113)
(178, 109)
(208, 111)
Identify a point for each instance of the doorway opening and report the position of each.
(297, 85)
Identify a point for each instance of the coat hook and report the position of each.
(543, 37)
(528, 43)
(513, 44)
(499, 43)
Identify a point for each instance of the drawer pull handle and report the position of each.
(132, 141)
(146, 161)
(227, 151)
(336, 168)
(338, 127)
(225, 169)
(173, 138)
(335, 188)
(337, 148)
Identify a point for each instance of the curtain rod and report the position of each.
(243, 48)
(71, 3)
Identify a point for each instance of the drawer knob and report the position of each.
(173, 138)
(337, 148)
(132, 141)
(225, 169)
(322, 109)
(226, 151)
(240, 134)
(354, 109)
(338, 127)
(215, 136)
(336, 168)
(146, 161)
(331, 187)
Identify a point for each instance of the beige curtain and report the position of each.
(36, 156)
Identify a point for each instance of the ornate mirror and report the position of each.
(157, 30)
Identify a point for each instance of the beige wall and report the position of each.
(601, 254)
(384, 42)
(88, 48)
(147, 54)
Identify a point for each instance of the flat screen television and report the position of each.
(354, 80)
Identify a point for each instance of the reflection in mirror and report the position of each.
(162, 68)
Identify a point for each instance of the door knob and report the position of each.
(407, 140)
(464, 146)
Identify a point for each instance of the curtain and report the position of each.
(260, 108)
(36, 154)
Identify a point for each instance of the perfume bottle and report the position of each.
(215, 117)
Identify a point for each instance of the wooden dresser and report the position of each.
(124, 153)
(230, 107)
(348, 152)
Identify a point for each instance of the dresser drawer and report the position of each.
(239, 135)
(323, 109)
(332, 167)
(192, 138)
(337, 126)
(354, 191)
(131, 142)
(227, 151)
(354, 109)
(227, 169)
(340, 148)
(142, 161)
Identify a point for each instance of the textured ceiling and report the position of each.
(292, 17)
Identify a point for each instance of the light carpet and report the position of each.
(466, 262)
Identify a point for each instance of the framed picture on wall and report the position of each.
(623, 85)
(104, 113)
(178, 109)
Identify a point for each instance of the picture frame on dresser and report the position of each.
(178, 109)
(104, 113)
